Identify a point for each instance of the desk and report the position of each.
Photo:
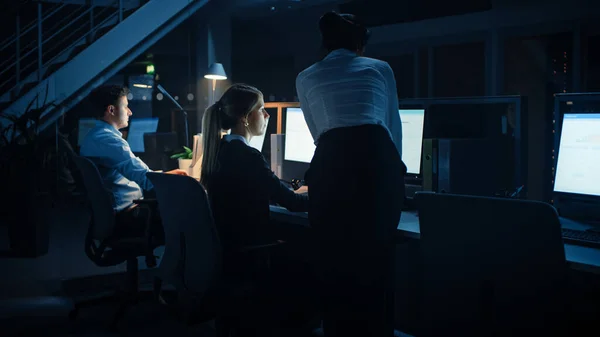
(579, 257)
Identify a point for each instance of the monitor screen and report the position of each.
(137, 128)
(85, 125)
(258, 141)
(578, 161)
(412, 138)
(299, 143)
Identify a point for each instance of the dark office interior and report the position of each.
(499, 234)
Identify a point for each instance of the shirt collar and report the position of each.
(229, 138)
(340, 53)
(102, 124)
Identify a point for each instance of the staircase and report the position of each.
(85, 45)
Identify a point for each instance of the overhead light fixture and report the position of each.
(216, 72)
(143, 86)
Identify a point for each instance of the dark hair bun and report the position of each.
(342, 31)
(333, 24)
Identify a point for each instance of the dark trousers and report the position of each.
(282, 299)
(356, 189)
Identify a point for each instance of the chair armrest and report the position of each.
(261, 247)
(148, 202)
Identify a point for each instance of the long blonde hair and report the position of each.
(237, 102)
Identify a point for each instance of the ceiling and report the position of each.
(126, 3)
(241, 8)
(266, 8)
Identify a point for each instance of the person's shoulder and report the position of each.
(307, 72)
(239, 148)
(103, 137)
(241, 155)
(380, 64)
(382, 67)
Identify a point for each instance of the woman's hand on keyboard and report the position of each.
(301, 190)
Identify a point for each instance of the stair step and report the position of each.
(128, 12)
(77, 50)
(101, 31)
(25, 89)
(4, 105)
(52, 68)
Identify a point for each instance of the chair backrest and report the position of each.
(192, 257)
(491, 266)
(103, 214)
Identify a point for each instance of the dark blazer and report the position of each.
(240, 192)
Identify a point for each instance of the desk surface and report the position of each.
(579, 257)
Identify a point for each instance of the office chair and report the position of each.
(490, 267)
(102, 247)
(193, 255)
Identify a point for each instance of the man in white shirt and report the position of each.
(123, 173)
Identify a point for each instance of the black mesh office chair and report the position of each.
(192, 260)
(103, 247)
(491, 267)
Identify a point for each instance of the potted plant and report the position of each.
(184, 158)
(22, 159)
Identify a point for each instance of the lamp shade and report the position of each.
(216, 72)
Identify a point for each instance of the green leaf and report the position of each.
(187, 149)
(178, 155)
(190, 155)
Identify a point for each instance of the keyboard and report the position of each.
(581, 237)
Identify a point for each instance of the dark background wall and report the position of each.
(530, 48)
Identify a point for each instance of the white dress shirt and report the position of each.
(123, 173)
(344, 90)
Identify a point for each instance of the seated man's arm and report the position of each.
(118, 155)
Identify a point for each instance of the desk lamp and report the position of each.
(185, 116)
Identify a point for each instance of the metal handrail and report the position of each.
(93, 30)
(17, 60)
(13, 77)
(32, 25)
(76, 41)
(66, 18)
(53, 47)
(14, 36)
(64, 27)
(34, 42)
(12, 56)
(53, 35)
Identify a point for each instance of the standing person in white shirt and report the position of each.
(356, 178)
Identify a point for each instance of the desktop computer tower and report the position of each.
(482, 167)
(429, 164)
(277, 155)
(424, 181)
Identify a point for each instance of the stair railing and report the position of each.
(48, 45)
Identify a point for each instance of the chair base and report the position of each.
(124, 301)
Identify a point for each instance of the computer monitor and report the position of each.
(85, 125)
(578, 160)
(412, 138)
(258, 141)
(299, 143)
(137, 128)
